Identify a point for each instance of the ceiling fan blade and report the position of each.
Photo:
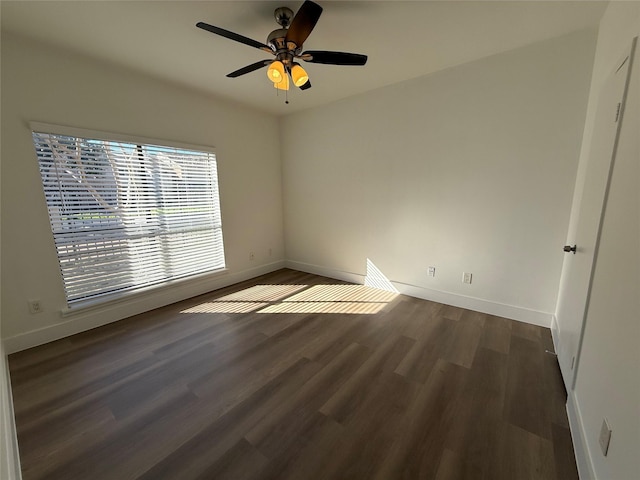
(233, 36)
(249, 68)
(333, 58)
(306, 86)
(303, 23)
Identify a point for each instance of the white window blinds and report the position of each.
(127, 215)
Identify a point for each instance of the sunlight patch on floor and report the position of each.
(341, 293)
(342, 298)
(262, 293)
(367, 308)
(225, 307)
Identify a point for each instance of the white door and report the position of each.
(577, 268)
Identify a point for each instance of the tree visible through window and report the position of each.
(128, 215)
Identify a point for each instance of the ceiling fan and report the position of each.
(286, 45)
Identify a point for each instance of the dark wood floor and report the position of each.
(258, 381)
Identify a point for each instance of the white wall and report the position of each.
(9, 461)
(469, 170)
(40, 83)
(608, 382)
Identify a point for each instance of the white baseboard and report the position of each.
(101, 315)
(583, 459)
(9, 456)
(325, 272)
(512, 312)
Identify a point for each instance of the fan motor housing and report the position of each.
(277, 39)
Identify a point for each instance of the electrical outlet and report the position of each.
(605, 437)
(35, 306)
(466, 277)
(252, 257)
(431, 271)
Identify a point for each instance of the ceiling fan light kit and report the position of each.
(286, 45)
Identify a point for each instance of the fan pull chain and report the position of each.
(286, 95)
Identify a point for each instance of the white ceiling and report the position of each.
(403, 39)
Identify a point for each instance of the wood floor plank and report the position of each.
(240, 461)
(31, 410)
(336, 335)
(272, 324)
(463, 342)
(348, 399)
(272, 433)
(112, 368)
(67, 399)
(112, 457)
(419, 362)
(496, 334)
(474, 318)
(521, 454)
(61, 440)
(204, 448)
(526, 330)
(416, 451)
(555, 391)
(261, 361)
(526, 402)
(413, 314)
(478, 413)
(215, 387)
(307, 457)
(371, 431)
(565, 464)
(451, 312)
(455, 467)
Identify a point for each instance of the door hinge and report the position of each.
(618, 111)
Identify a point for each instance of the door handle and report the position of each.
(569, 248)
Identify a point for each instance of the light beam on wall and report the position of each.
(376, 279)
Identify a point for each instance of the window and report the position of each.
(128, 215)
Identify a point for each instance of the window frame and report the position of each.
(107, 298)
